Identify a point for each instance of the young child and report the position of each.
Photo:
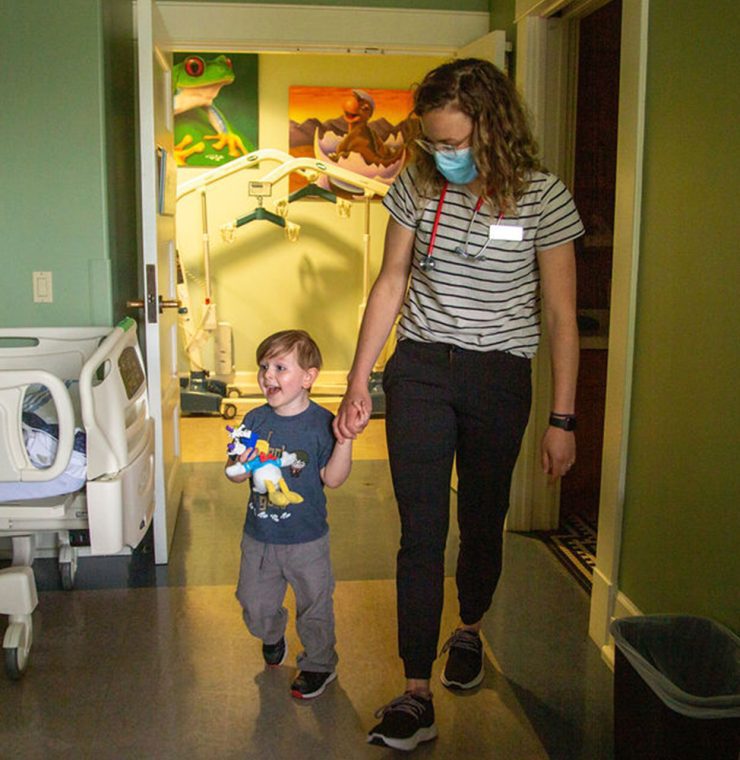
(290, 454)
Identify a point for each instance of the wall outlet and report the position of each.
(42, 287)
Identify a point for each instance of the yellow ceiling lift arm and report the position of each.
(244, 162)
(308, 166)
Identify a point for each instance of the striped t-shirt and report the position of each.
(487, 303)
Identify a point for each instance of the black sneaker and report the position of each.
(464, 668)
(308, 684)
(405, 722)
(275, 654)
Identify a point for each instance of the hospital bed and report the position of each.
(76, 458)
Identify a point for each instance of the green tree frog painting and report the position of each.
(215, 107)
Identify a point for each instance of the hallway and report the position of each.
(145, 661)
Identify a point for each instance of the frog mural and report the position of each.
(204, 136)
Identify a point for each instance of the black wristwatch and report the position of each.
(563, 421)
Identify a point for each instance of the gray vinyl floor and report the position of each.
(145, 661)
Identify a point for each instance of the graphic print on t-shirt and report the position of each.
(271, 496)
(308, 439)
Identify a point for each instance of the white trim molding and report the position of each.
(620, 606)
(547, 8)
(627, 217)
(253, 27)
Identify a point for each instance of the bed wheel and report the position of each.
(17, 645)
(67, 566)
(15, 663)
(229, 411)
(68, 576)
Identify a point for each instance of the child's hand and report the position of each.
(235, 470)
(247, 454)
(359, 414)
(352, 416)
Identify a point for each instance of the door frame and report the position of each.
(157, 267)
(546, 54)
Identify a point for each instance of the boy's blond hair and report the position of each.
(283, 342)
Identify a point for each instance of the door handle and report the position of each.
(164, 303)
(168, 303)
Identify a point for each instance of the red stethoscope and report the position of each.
(428, 262)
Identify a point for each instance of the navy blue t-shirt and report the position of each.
(299, 447)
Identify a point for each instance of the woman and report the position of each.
(478, 238)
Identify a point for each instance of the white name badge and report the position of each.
(506, 232)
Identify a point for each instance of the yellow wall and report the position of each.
(261, 281)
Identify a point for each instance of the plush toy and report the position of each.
(267, 477)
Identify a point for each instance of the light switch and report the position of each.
(42, 290)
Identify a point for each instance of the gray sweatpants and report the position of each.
(265, 573)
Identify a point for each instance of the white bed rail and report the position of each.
(15, 463)
(114, 403)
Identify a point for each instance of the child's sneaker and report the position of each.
(464, 668)
(275, 654)
(405, 722)
(308, 684)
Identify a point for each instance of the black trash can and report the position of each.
(676, 689)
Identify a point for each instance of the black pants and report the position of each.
(443, 401)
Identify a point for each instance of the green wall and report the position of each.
(56, 158)
(121, 157)
(502, 17)
(680, 543)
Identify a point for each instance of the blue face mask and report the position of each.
(456, 166)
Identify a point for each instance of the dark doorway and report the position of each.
(594, 191)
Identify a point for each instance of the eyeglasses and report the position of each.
(431, 147)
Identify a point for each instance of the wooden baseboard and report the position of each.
(607, 604)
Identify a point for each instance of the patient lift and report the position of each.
(199, 393)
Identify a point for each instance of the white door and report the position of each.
(491, 47)
(158, 188)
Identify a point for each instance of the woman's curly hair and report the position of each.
(502, 144)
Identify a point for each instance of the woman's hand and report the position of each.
(353, 414)
(558, 451)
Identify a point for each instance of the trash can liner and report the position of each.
(692, 664)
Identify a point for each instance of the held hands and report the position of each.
(353, 414)
(558, 452)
